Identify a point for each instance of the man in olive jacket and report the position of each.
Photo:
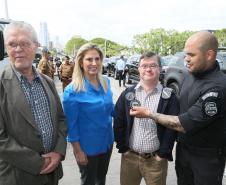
(32, 123)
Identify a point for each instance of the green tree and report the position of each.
(74, 44)
(160, 41)
(53, 52)
(221, 36)
(109, 47)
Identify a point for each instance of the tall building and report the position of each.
(44, 35)
(57, 44)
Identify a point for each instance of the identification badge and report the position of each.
(130, 96)
(135, 103)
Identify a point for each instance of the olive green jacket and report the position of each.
(20, 142)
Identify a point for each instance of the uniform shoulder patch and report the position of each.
(166, 92)
(210, 103)
(210, 94)
(130, 96)
(210, 108)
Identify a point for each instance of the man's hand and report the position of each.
(52, 160)
(46, 163)
(168, 121)
(140, 112)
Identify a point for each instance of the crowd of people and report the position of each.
(63, 69)
(146, 121)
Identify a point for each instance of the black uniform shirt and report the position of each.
(203, 109)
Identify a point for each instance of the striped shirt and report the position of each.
(144, 138)
(38, 101)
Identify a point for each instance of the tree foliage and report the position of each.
(161, 41)
(74, 44)
(109, 47)
(221, 36)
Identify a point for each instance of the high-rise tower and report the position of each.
(44, 35)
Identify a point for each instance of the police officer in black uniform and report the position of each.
(200, 157)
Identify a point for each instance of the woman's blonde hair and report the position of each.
(78, 73)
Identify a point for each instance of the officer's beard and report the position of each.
(200, 73)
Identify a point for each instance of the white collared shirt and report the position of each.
(120, 65)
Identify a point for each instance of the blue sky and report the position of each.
(117, 20)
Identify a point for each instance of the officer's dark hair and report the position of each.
(150, 54)
(67, 57)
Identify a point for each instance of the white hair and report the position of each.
(20, 25)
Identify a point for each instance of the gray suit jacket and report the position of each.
(20, 142)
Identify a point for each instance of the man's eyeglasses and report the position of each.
(23, 45)
(151, 66)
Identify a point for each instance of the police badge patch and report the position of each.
(210, 103)
(210, 108)
(130, 96)
(134, 103)
(166, 92)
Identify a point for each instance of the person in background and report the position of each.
(120, 67)
(200, 155)
(52, 65)
(58, 64)
(32, 122)
(88, 106)
(66, 70)
(145, 145)
(44, 65)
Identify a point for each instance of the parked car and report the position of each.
(2, 49)
(111, 70)
(105, 65)
(165, 60)
(3, 24)
(221, 58)
(38, 57)
(131, 69)
(176, 71)
(3, 55)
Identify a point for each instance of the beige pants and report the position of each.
(134, 167)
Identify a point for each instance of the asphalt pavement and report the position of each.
(71, 171)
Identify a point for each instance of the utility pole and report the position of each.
(74, 51)
(105, 48)
(6, 10)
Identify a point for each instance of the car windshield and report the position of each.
(175, 60)
(165, 60)
(221, 58)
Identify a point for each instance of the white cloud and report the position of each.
(118, 20)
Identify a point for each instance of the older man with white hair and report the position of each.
(32, 123)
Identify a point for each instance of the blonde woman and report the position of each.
(88, 107)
